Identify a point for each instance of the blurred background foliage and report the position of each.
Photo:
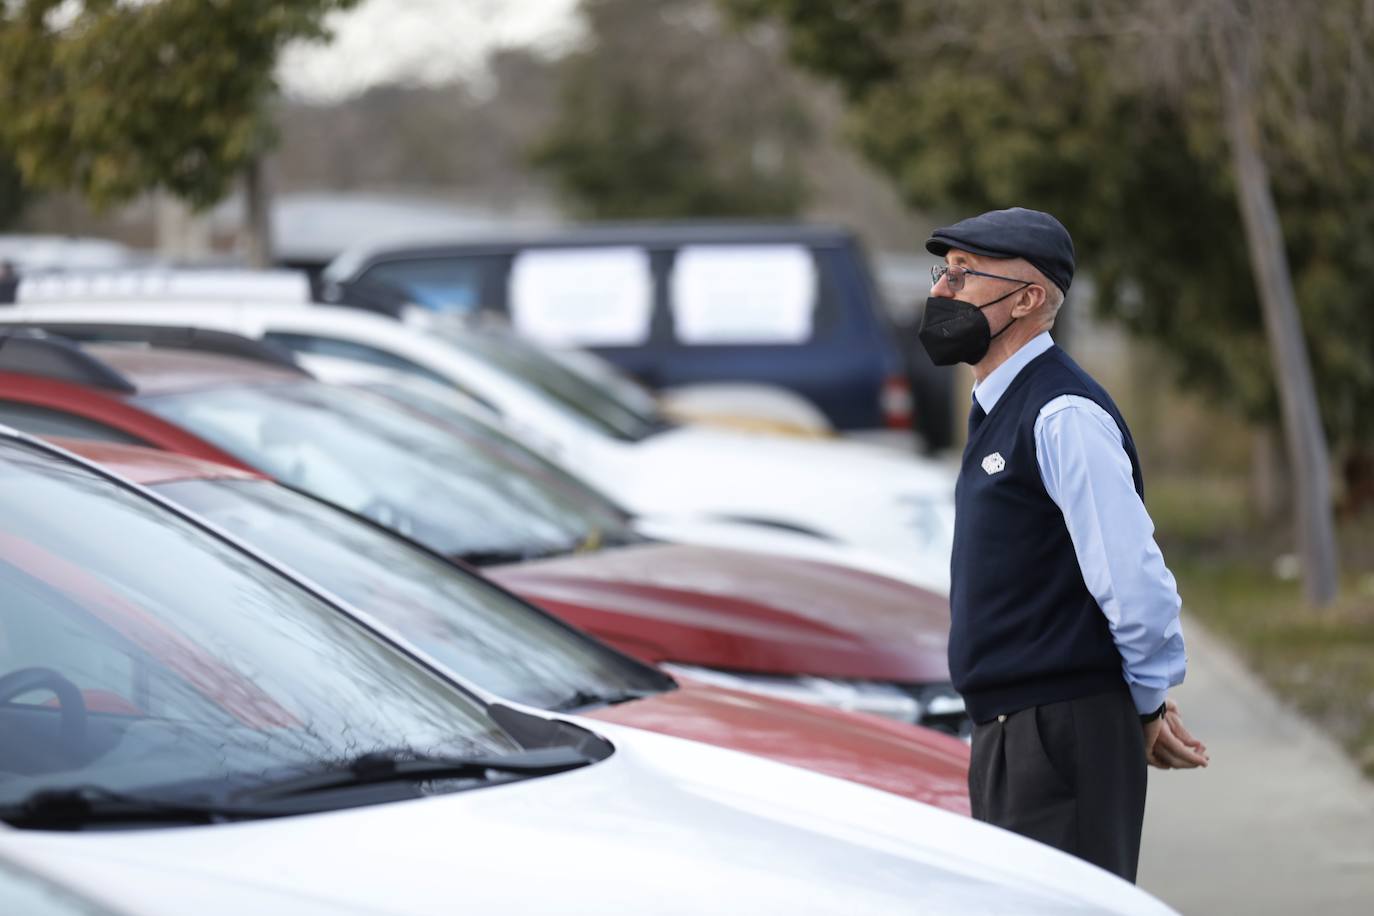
(115, 99)
(893, 115)
(1108, 115)
(658, 117)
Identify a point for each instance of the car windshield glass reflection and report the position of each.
(139, 654)
(432, 402)
(594, 403)
(469, 625)
(366, 453)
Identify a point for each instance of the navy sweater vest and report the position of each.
(1024, 629)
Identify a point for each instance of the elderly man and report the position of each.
(1065, 634)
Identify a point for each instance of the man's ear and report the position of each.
(1028, 301)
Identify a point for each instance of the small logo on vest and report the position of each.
(994, 463)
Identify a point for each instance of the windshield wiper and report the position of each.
(581, 698)
(625, 538)
(74, 807)
(388, 766)
(502, 556)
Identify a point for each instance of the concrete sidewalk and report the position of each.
(1281, 822)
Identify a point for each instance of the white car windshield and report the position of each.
(474, 628)
(599, 508)
(594, 403)
(142, 655)
(372, 456)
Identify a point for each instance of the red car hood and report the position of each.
(914, 762)
(744, 611)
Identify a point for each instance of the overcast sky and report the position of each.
(426, 41)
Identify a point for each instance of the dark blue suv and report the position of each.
(678, 303)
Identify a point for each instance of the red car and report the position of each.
(502, 644)
(797, 629)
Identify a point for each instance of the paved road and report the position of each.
(1281, 821)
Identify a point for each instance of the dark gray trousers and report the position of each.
(1070, 774)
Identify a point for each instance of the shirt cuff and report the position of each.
(1147, 699)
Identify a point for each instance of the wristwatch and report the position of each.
(1151, 716)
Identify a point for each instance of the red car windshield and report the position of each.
(364, 452)
(139, 653)
(434, 401)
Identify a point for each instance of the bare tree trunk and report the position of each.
(257, 229)
(1302, 427)
(182, 236)
(1269, 477)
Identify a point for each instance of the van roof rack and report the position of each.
(31, 352)
(201, 340)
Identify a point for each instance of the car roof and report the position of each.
(46, 252)
(648, 234)
(149, 466)
(167, 371)
(161, 284)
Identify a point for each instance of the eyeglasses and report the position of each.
(954, 276)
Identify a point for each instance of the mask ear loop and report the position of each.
(1023, 286)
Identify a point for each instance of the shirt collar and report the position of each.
(990, 390)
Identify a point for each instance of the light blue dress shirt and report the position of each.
(1087, 473)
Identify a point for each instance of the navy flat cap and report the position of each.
(1015, 233)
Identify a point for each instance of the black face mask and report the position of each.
(955, 331)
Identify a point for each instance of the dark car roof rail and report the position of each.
(201, 340)
(29, 351)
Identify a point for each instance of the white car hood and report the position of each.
(663, 826)
(754, 458)
(901, 506)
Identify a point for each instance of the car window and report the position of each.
(591, 402)
(320, 345)
(140, 654)
(597, 506)
(743, 294)
(45, 421)
(369, 455)
(620, 385)
(753, 295)
(469, 625)
(123, 682)
(586, 296)
(460, 285)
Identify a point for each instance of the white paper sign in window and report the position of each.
(583, 297)
(740, 294)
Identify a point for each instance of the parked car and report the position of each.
(34, 254)
(310, 763)
(670, 303)
(810, 631)
(148, 283)
(25, 891)
(753, 406)
(453, 407)
(899, 506)
(513, 650)
(748, 406)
